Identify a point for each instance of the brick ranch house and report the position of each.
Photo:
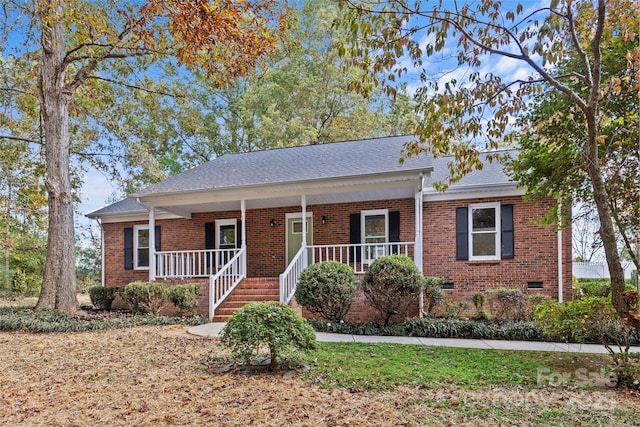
(235, 225)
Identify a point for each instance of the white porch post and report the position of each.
(305, 261)
(243, 245)
(152, 244)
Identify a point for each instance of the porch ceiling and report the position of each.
(328, 192)
(316, 199)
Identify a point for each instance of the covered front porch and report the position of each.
(263, 234)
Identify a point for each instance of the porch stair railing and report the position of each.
(187, 264)
(289, 279)
(357, 256)
(226, 279)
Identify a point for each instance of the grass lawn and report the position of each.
(160, 375)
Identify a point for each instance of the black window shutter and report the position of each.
(158, 238)
(506, 230)
(354, 235)
(394, 230)
(462, 234)
(210, 235)
(128, 248)
(239, 234)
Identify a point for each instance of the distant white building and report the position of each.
(598, 270)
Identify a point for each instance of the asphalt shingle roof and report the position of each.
(295, 164)
(308, 163)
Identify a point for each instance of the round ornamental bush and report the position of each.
(391, 284)
(326, 289)
(268, 326)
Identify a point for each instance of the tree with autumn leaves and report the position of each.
(74, 45)
(475, 109)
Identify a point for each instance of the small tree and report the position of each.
(326, 289)
(391, 284)
(433, 292)
(271, 325)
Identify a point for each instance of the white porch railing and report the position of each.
(357, 256)
(186, 264)
(226, 279)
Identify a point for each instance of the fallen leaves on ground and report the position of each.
(158, 376)
(154, 376)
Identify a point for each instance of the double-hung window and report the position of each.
(141, 247)
(484, 231)
(375, 229)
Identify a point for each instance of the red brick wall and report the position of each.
(535, 246)
(536, 251)
(266, 247)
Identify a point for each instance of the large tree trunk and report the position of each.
(58, 285)
(607, 230)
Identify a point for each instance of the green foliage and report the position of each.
(509, 305)
(576, 320)
(29, 320)
(146, 297)
(591, 288)
(391, 284)
(326, 289)
(440, 328)
(102, 297)
(455, 309)
(433, 293)
(185, 297)
(270, 326)
(478, 301)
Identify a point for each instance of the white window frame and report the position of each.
(222, 223)
(363, 217)
(496, 207)
(136, 230)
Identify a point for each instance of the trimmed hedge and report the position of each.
(391, 284)
(326, 289)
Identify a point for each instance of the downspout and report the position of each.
(417, 255)
(560, 284)
(102, 263)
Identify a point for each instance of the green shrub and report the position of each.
(508, 305)
(433, 293)
(478, 301)
(326, 289)
(591, 288)
(27, 319)
(455, 309)
(269, 326)
(185, 297)
(102, 297)
(585, 319)
(391, 284)
(145, 297)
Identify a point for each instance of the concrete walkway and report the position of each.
(214, 329)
